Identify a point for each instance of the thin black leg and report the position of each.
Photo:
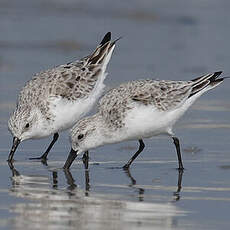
(87, 184)
(141, 147)
(72, 156)
(177, 144)
(179, 182)
(43, 158)
(85, 160)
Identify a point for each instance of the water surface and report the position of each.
(161, 39)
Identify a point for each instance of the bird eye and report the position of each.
(27, 125)
(80, 136)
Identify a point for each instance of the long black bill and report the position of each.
(16, 142)
(70, 159)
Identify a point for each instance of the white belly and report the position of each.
(67, 113)
(146, 121)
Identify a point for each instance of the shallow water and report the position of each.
(161, 39)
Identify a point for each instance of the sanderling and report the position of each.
(55, 99)
(136, 110)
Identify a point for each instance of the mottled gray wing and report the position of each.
(75, 81)
(164, 95)
(71, 81)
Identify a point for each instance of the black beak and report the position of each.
(70, 159)
(16, 142)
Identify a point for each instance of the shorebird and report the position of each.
(56, 98)
(136, 110)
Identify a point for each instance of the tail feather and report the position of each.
(199, 79)
(106, 38)
(95, 59)
(209, 80)
(103, 50)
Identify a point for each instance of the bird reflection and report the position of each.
(13, 170)
(55, 180)
(70, 181)
(141, 191)
(72, 185)
(51, 207)
(69, 177)
(179, 186)
(133, 182)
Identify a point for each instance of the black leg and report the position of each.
(179, 182)
(85, 160)
(141, 147)
(177, 144)
(43, 158)
(70, 159)
(87, 184)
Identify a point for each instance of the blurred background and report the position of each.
(162, 39)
